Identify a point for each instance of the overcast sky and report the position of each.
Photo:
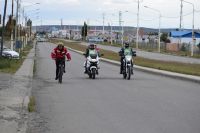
(77, 11)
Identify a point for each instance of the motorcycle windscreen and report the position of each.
(93, 54)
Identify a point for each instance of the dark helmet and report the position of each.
(92, 46)
(126, 44)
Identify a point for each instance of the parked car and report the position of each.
(95, 40)
(8, 53)
(40, 39)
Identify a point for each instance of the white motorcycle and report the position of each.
(92, 65)
(128, 65)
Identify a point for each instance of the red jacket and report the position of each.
(59, 54)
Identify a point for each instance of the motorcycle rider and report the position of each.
(91, 47)
(126, 48)
(58, 54)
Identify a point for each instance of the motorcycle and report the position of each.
(128, 65)
(92, 65)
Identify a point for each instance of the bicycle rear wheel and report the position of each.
(60, 74)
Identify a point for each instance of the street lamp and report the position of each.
(111, 25)
(121, 24)
(26, 16)
(96, 21)
(159, 25)
(138, 21)
(193, 36)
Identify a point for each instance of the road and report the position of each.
(153, 55)
(146, 104)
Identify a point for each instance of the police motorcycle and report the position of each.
(128, 63)
(92, 64)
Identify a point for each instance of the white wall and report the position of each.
(184, 40)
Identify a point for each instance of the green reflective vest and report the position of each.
(92, 52)
(127, 51)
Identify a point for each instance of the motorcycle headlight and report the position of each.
(128, 58)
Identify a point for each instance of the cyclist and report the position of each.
(58, 54)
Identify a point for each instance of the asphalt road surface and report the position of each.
(146, 104)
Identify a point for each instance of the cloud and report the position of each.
(67, 3)
(117, 2)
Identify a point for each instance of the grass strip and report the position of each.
(31, 104)
(12, 65)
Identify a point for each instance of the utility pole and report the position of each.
(120, 25)
(120, 18)
(181, 19)
(181, 16)
(16, 25)
(138, 19)
(61, 24)
(103, 23)
(3, 28)
(12, 24)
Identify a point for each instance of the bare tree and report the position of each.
(3, 28)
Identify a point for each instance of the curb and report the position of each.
(26, 99)
(151, 70)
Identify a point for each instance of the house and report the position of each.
(182, 40)
(184, 37)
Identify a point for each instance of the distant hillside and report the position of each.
(49, 28)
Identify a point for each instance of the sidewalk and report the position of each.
(14, 97)
(154, 56)
(150, 55)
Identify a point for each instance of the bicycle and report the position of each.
(61, 70)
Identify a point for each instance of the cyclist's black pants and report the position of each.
(58, 61)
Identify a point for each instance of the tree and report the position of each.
(164, 38)
(199, 46)
(9, 26)
(84, 31)
(3, 28)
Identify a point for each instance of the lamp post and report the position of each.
(17, 18)
(96, 23)
(138, 21)
(25, 16)
(111, 29)
(122, 25)
(159, 25)
(193, 36)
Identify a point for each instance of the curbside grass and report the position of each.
(12, 65)
(31, 104)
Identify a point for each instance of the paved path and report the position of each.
(14, 95)
(155, 56)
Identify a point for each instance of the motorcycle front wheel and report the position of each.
(129, 73)
(93, 73)
(124, 74)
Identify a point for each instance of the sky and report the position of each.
(77, 11)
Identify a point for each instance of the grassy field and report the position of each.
(192, 69)
(11, 66)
